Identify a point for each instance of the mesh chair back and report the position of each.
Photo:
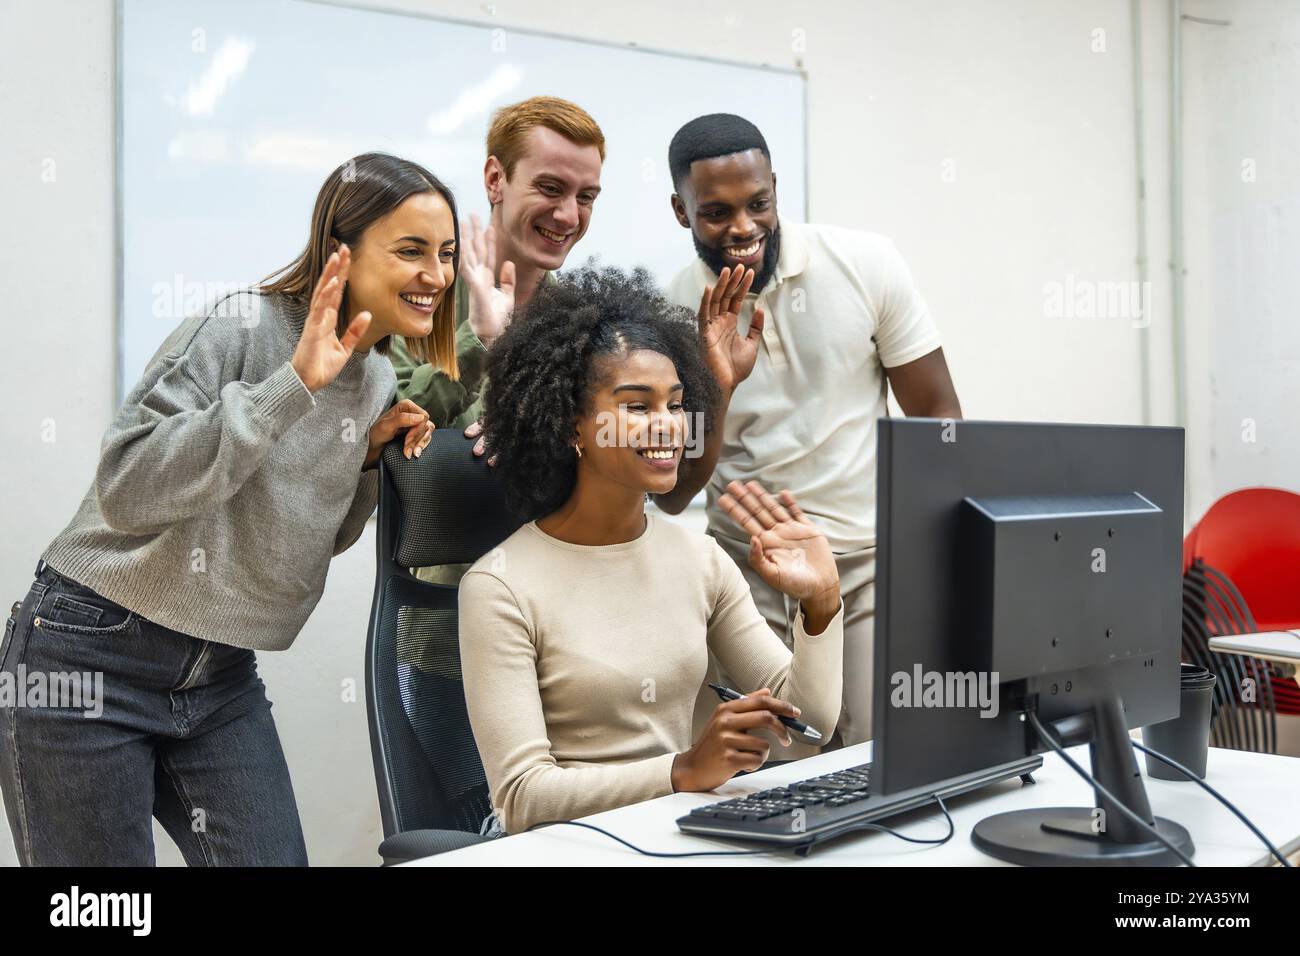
(444, 507)
(1213, 607)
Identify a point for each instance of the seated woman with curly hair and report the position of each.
(585, 636)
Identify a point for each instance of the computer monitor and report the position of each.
(1028, 566)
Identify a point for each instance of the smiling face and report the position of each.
(634, 430)
(729, 204)
(545, 204)
(402, 266)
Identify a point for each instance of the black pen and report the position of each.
(798, 726)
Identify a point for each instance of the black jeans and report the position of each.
(179, 729)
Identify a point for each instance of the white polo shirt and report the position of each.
(840, 308)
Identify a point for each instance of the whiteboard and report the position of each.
(233, 112)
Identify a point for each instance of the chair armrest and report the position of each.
(414, 844)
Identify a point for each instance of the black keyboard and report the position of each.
(797, 809)
(816, 809)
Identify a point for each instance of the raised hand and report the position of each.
(321, 354)
(490, 306)
(786, 548)
(730, 356)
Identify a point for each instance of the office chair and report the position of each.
(444, 507)
(1241, 574)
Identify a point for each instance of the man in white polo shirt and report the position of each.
(835, 321)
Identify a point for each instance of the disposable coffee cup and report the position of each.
(1186, 738)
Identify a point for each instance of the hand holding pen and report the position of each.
(798, 726)
(725, 746)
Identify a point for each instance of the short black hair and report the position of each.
(705, 137)
(541, 375)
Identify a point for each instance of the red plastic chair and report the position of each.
(1253, 537)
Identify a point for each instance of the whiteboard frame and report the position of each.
(118, 385)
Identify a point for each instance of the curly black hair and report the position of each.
(541, 374)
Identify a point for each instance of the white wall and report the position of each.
(988, 138)
(1242, 103)
(996, 148)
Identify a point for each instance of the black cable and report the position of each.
(952, 828)
(1032, 717)
(774, 849)
(633, 846)
(1217, 796)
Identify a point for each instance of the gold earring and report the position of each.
(579, 448)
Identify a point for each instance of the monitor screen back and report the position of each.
(922, 628)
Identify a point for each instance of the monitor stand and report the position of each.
(1088, 836)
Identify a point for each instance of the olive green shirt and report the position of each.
(450, 403)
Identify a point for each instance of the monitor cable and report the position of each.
(1190, 775)
(801, 848)
(1032, 717)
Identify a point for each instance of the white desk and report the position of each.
(1265, 787)
(1280, 646)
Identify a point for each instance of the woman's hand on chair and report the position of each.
(475, 430)
(405, 416)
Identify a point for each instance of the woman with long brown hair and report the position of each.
(239, 465)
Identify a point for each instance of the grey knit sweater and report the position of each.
(224, 486)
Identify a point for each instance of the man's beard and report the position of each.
(714, 260)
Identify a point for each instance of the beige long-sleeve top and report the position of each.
(582, 664)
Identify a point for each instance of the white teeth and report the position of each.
(553, 236)
(664, 454)
(744, 253)
(425, 300)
